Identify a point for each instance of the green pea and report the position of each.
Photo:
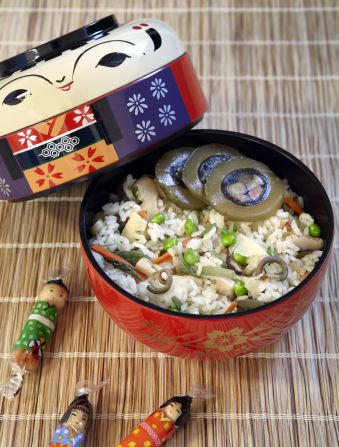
(170, 242)
(271, 251)
(239, 259)
(315, 230)
(190, 226)
(191, 256)
(239, 288)
(228, 238)
(158, 218)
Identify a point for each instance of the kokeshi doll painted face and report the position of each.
(74, 424)
(54, 293)
(159, 426)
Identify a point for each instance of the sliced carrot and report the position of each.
(231, 307)
(186, 241)
(292, 204)
(142, 213)
(163, 258)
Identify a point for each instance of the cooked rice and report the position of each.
(200, 296)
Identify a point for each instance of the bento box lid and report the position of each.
(55, 47)
(90, 99)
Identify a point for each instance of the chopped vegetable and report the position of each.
(271, 251)
(135, 228)
(160, 282)
(228, 238)
(273, 260)
(209, 270)
(240, 259)
(142, 213)
(170, 242)
(182, 268)
(186, 241)
(231, 307)
(190, 226)
(191, 256)
(147, 193)
(239, 288)
(246, 246)
(117, 261)
(308, 242)
(163, 258)
(177, 303)
(248, 304)
(315, 230)
(132, 256)
(224, 286)
(208, 229)
(292, 204)
(158, 218)
(145, 266)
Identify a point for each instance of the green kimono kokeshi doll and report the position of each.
(40, 325)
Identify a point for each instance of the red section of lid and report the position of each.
(193, 97)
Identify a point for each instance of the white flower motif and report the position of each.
(83, 115)
(145, 130)
(4, 187)
(158, 87)
(137, 104)
(166, 115)
(27, 137)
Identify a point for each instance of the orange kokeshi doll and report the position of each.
(161, 424)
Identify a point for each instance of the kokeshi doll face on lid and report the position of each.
(54, 294)
(90, 71)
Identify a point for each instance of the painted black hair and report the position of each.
(58, 282)
(79, 403)
(156, 38)
(185, 402)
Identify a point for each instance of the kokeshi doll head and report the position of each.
(78, 416)
(177, 409)
(54, 293)
(84, 73)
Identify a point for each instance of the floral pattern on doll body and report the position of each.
(86, 73)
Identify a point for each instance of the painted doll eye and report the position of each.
(113, 59)
(16, 97)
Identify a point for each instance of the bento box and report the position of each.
(208, 336)
(90, 99)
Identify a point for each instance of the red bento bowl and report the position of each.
(214, 336)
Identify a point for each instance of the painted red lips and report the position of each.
(66, 87)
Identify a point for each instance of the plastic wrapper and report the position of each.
(36, 334)
(160, 425)
(75, 423)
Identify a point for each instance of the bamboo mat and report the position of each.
(269, 69)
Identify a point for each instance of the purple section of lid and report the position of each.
(12, 189)
(148, 112)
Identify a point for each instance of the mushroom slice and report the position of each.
(160, 282)
(308, 242)
(273, 260)
(135, 228)
(146, 191)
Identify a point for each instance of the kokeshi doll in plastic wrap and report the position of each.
(36, 334)
(75, 423)
(160, 426)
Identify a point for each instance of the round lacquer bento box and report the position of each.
(219, 336)
(83, 102)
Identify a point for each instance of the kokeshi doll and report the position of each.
(160, 426)
(36, 334)
(75, 423)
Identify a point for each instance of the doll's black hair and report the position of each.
(185, 402)
(79, 403)
(58, 282)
